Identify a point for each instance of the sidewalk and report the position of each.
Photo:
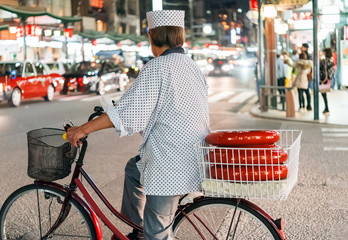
(338, 106)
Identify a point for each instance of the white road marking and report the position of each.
(240, 98)
(72, 98)
(337, 130)
(219, 96)
(90, 99)
(335, 148)
(335, 135)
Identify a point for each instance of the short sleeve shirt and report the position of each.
(168, 103)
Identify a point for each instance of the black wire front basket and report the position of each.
(49, 155)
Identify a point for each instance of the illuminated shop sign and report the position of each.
(30, 30)
(296, 16)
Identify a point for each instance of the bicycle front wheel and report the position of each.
(30, 211)
(219, 218)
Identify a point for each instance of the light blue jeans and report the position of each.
(155, 213)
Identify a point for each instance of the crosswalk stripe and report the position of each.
(72, 98)
(336, 137)
(240, 98)
(219, 96)
(337, 130)
(339, 135)
(335, 148)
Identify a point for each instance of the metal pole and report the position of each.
(261, 46)
(315, 59)
(66, 41)
(191, 22)
(338, 52)
(23, 19)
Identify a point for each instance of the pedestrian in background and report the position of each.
(289, 64)
(327, 69)
(281, 75)
(303, 67)
(304, 49)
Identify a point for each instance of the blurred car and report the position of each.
(23, 80)
(132, 71)
(248, 60)
(202, 61)
(111, 77)
(98, 77)
(219, 67)
(131, 60)
(58, 67)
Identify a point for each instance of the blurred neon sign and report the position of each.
(302, 16)
(30, 30)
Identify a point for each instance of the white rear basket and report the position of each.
(262, 173)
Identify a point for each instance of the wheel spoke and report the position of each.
(30, 213)
(225, 221)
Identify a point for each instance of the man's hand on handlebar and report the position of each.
(74, 134)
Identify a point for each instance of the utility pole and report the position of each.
(190, 5)
(315, 60)
(23, 19)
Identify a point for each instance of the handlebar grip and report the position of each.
(82, 139)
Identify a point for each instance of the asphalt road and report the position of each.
(317, 207)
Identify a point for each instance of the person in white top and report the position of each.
(168, 106)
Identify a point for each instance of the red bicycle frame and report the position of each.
(94, 211)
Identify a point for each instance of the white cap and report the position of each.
(166, 18)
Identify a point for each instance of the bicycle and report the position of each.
(48, 210)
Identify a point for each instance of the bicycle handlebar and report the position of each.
(98, 111)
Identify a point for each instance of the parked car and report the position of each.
(23, 80)
(58, 67)
(219, 67)
(99, 77)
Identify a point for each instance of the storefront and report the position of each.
(31, 34)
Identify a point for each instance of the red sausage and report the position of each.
(248, 156)
(256, 173)
(238, 138)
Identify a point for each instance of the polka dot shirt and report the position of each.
(168, 104)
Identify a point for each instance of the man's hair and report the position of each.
(305, 45)
(328, 52)
(170, 36)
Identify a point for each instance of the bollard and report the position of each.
(290, 105)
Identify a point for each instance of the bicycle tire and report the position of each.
(20, 217)
(214, 212)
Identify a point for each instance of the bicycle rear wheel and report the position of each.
(30, 211)
(213, 217)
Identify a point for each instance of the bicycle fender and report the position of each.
(255, 208)
(78, 199)
(265, 215)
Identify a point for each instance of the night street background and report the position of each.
(316, 208)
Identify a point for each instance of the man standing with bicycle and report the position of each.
(167, 105)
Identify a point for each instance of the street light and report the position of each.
(207, 29)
